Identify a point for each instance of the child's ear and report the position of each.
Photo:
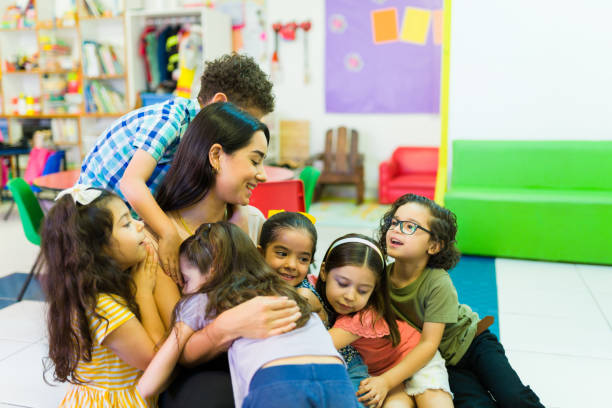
(219, 97)
(322, 272)
(214, 156)
(261, 250)
(435, 247)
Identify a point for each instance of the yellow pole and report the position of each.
(442, 177)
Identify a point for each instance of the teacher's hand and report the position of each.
(260, 317)
(168, 255)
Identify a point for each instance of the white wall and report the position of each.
(379, 134)
(524, 69)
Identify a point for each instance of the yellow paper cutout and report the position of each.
(384, 25)
(416, 25)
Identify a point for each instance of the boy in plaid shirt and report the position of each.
(134, 154)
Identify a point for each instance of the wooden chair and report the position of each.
(342, 164)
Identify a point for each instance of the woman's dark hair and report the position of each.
(240, 79)
(237, 270)
(443, 227)
(191, 176)
(361, 255)
(74, 246)
(287, 220)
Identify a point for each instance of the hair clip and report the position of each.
(81, 194)
(310, 217)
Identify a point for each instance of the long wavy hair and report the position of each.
(237, 271)
(191, 176)
(443, 227)
(361, 255)
(74, 244)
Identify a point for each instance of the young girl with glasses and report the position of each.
(420, 235)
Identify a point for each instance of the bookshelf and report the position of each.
(43, 74)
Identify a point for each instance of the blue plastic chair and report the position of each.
(52, 165)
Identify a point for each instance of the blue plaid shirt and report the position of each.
(156, 129)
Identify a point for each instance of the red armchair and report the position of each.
(410, 170)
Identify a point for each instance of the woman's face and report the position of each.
(240, 172)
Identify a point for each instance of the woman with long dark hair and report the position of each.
(218, 164)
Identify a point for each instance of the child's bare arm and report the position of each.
(341, 337)
(157, 374)
(145, 278)
(315, 304)
(166, 296)
(133, 185)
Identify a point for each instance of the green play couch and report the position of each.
(548, 200)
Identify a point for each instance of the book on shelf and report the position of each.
(99, 8)
(102, 98)
(100, 59)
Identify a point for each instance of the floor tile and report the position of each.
(21, 375)
(604, 300)
(556, 379)
(23, 321)
(556, 335)
(597, 277)
(3, 405)
(519, 274)
(10, 347)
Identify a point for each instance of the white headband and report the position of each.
(357, 240)
(80, 193)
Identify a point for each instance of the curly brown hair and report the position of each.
(238, 272)
(240, 79)
(443, 227)
(74, 243)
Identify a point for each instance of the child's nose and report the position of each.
(350, 294)
(290, 263)
(140, 225)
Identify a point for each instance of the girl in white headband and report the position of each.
(354, 287)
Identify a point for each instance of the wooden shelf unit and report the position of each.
(75, 33)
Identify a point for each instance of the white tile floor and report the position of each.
(555, 323)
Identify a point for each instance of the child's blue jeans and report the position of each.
(304, 385)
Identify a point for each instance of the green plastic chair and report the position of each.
(31, 218)
(309, 176)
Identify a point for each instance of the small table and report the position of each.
(275, 173)
(57, 181)
(14, 151)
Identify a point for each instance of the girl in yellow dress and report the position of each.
(102, 320)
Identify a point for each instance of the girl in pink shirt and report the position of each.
(353, 285)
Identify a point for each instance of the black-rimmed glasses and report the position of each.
(406, 227)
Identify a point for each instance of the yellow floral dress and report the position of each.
(108, 381)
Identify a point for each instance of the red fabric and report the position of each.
(410, 170)
(143, 51)
(36, 163)
(376, 350)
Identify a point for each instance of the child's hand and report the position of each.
(168, 255)
(145, 272)
(373, 391)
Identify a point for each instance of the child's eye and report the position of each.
(305, 259)
(281, 254)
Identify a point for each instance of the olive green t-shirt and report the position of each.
(433, 298)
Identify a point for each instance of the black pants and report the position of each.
(207, 385)
(484, 371)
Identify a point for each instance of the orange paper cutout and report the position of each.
(384, 25)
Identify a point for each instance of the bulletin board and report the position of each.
(383, 56)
